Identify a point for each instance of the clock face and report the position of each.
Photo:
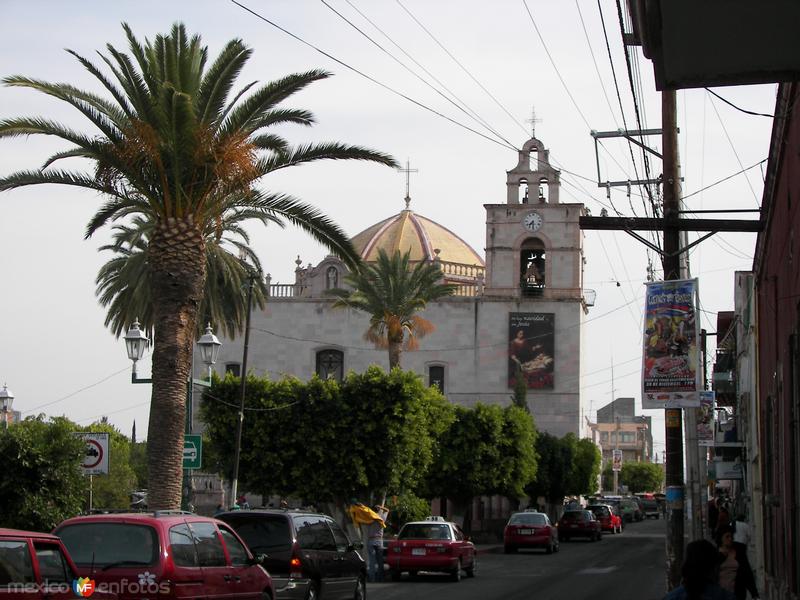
(533, 221)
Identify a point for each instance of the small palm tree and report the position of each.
(175, 146)
(392, 292)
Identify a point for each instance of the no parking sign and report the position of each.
(95, 459)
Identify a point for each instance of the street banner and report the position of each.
(95, 459)
(671, 356)
(616, 464)
(705, 419)
(531, 349)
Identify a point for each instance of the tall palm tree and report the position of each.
(173, 145)
(123, 283)
(392, 292)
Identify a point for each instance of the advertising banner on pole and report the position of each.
(671, 355)
(616, 464)
(705, 419)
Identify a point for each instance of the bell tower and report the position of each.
(533, 241)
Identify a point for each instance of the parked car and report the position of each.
(530, 529)
(650, 507)
(308, 554)
(431, 545)
(579, 523)
(609, 519)
(165, 554)
(638, 513)
(37, 566)
(630, 510)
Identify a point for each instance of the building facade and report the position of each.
(517, 312)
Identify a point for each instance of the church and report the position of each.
(517, 312)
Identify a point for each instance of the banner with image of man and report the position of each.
(671, 354)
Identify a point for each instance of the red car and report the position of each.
(579, 523)
(37, 566)
(530, 529)
(609, 520)
(431, 545)
(165, 554)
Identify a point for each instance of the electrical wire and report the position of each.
(729, 103)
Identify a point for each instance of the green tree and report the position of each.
(520, 397)
(487, 450)
(392, 292)
(174, 146)
(556, 456)
(41, 483)
(326, 441)
(585, 468)
(642, 476)
(113, 490)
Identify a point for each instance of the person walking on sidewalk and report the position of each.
(375, 546)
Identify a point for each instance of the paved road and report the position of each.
(619, 567)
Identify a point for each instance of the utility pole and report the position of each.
(242, 390)
(671, 264)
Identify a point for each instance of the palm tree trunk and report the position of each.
(395, 349)
(178, 269)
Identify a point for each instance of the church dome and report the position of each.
(408, 230)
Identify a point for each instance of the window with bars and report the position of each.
(330, 364)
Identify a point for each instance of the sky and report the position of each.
(500, 61)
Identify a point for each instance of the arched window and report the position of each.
(533, 159)
(330, 364)
(331, 278)
(233, 368)
(532, 267)
(523, 191)
(544, 190)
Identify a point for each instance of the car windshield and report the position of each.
(107, 544)
(527, 519)
(599, 511)
(573, 515)
(261, 532)
(424, 531)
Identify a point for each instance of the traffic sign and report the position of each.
(95, 459)
(192, 451)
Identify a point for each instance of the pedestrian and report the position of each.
(713, 514)
(699, 575)
(375, 547)
(735, 573)
(741, 530)
(724, 519)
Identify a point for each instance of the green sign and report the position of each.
(192, 452)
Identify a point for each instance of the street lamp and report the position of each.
(6, 400)
(136, 343)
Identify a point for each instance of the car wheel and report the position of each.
(361, 589)
(395, 574)
(510, 549)
(473, 567)
(456, 574)
(549, 549)
(557, 546)
(313, 591)
(412, 573)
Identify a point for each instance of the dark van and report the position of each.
(307, 554)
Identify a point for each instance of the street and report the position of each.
(627, 566)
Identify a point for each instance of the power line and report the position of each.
(76, 392)
(729, 103)
(369, 77)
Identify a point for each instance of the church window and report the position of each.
(544, 190)
(436, 377)
(532, 266)
(523, 192)
(604, 437)
(533, 159)
(331, 278)
(330, 364)
(234, 369)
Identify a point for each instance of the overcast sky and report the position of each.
(497, 58)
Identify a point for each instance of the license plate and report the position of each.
(418, 551)
(525, 531)
(574, 525)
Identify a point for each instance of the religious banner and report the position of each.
(705, 419)
(531, 349)
(671, 356)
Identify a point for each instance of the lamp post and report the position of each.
(136, 343)
(6, 400)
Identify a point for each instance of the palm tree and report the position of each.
(123, 283)
(392, 292)
(174, 146)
